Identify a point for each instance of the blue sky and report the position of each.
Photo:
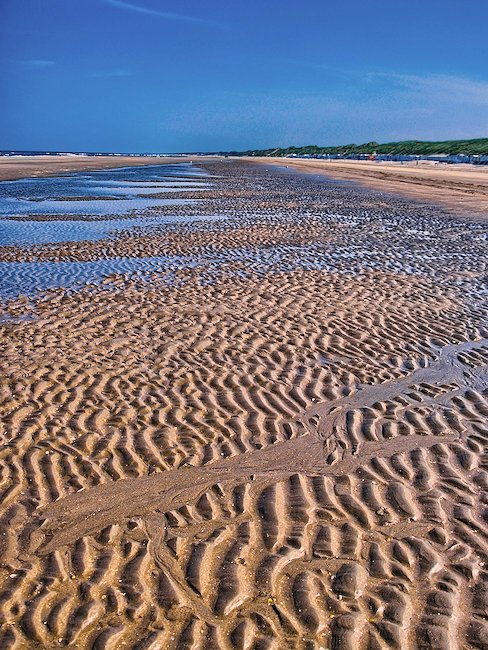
(191, 75)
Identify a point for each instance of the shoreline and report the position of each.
(19, 167)
(460, 188)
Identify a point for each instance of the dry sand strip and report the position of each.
(280, 445)
(12, 168)
(461, 188)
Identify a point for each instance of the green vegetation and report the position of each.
(408, 147)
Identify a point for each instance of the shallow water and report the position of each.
(106, 192)
(28, 233)
(26, 278)
(20, 207)
(362, 242)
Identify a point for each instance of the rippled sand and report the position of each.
(275, 437)
(459, 187)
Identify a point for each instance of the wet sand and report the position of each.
(12, 168)
(277, 440)
(461, 188)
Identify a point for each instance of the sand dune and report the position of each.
(280, 442)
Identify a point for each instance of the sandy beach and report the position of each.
(13, 167)
(262, 424)
(461, 188)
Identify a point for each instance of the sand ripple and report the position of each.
(258, 457)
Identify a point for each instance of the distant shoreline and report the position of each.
(17, 167)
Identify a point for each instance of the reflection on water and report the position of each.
(94, 195)
(18, 207)
(25, 278)
(27, 233)
(99, 193)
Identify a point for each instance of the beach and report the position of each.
(247, 409)
(461, 188)
(14, 167)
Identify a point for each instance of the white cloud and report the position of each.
(449, 88)
(37, 63)
(129, 6)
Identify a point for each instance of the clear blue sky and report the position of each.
(188, 75)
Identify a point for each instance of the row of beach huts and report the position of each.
(473, 159)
